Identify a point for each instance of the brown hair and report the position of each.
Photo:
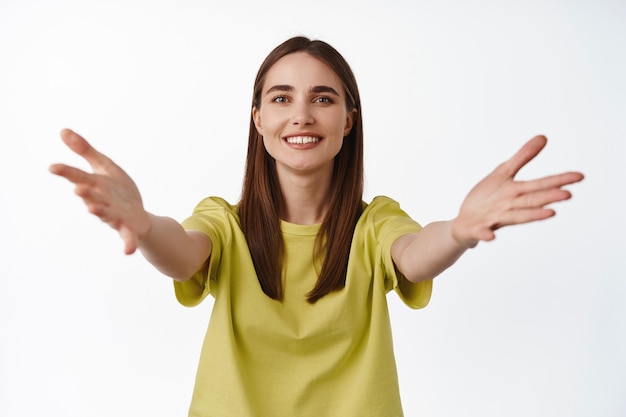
(262, 201)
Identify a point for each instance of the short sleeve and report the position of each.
(214, 217)
(390, 223)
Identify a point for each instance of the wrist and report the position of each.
(145, 226)
(460, 234)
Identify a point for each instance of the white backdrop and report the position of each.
(533, 324)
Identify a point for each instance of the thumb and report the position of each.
(130, 240)
(522, 157)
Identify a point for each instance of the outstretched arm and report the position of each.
(496, 201)
(112, 195)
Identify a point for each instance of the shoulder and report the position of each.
(215, 203)
(384, 219)
(214, 216)
(382, 206)
(217, 208)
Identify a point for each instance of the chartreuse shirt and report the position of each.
(290, 358)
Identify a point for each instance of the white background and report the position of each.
(533, 324)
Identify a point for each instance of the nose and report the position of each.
(302, 115)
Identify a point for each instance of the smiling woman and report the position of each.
(301, 266)
(337, 203)
(307, 114)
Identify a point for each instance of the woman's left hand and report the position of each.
(498, 200)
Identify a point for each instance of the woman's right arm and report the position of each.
(176, 252)
(112, 195)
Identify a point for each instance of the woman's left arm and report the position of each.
(496, 201)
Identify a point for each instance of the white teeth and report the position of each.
(302, 139)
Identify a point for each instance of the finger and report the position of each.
(541, 198)
(553, 181)
(527, 153)
(102, 211)
(79, 145)
(74, 175)
(90, 195)
(487, 235)
(524, 216)
(109, 215)
(105, 214)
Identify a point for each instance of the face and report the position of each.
(302, 115)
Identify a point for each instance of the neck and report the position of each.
(306, 196)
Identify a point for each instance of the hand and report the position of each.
(498, 200)
(108, 192)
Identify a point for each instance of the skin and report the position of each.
(304, 173)
(112, 195)
(496, 201)
(303, 97)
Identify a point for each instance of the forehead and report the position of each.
(301, 70)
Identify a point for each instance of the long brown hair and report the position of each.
(262, 201)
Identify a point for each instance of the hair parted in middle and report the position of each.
(262, 202)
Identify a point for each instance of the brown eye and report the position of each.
(324, 99)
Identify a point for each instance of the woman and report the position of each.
(300, 267)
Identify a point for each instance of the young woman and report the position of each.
(300, 266)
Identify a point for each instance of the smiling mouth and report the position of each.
(302, 140)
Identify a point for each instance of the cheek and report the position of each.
(341, 124)
(270, 146)
(270, 123)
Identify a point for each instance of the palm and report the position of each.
(108, 191)
(498, 200)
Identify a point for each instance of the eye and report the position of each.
(279, 99)
(323, 99)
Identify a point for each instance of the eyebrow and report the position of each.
(315, 89)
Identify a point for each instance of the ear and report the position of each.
(256, 117)
(349, 122)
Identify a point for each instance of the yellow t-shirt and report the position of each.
(266, 358)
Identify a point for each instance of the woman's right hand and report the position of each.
(108, 191)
